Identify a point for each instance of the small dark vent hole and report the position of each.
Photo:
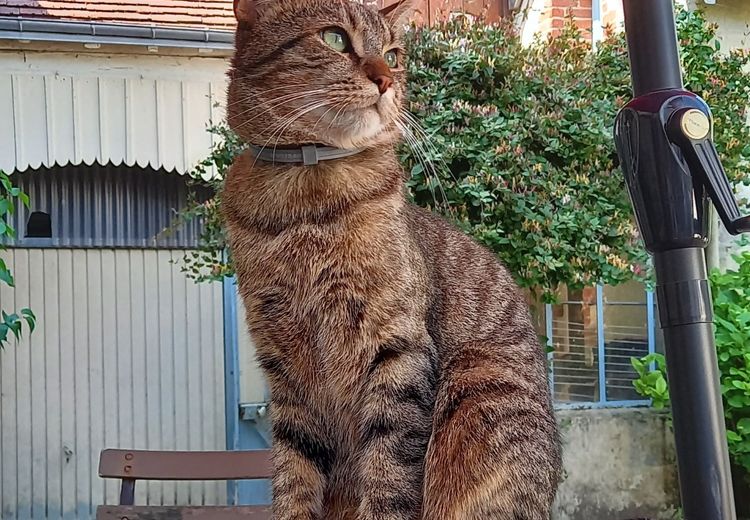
(39, 225)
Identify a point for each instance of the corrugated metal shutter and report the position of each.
(107, 206)
(128, 353)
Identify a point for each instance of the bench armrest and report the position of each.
(185, 465)
(133, 465)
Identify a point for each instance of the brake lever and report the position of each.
(691, 129)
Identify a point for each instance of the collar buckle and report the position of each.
(310, 155)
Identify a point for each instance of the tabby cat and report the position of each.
(407, 380)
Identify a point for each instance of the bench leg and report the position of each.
(127, 492)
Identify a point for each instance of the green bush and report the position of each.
(731, 302)
(652, 379)
(211, 261)
(526, 134)
(516, 145)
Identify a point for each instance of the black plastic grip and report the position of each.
(704, 162)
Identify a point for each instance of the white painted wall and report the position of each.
(128, 353)
(733, 19)
(530, 18)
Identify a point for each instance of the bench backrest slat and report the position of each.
(183, 513)
(185, 465)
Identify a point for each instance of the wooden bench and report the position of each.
(133, 465)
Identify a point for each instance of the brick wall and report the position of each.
(217, 14)
(555, 14)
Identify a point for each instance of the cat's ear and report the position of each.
(399, 13)
(245, 11)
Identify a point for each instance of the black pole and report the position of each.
(652, 45)
(697, 411)
(670, 192)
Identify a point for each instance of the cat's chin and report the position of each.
(362, 128)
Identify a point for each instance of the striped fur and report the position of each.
(407, 381)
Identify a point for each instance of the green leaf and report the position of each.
(14, 324)
(661, 385)
(30, 319)
(744, 425)
(6, 277)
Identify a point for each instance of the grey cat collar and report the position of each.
(309, 155)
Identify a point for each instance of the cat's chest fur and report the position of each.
(321, 297)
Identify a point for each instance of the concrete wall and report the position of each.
(619, 465)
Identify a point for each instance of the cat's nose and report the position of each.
(383, 82)
(379, 72)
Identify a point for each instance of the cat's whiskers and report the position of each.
(408, 138)
(333, 106)
(259, 93)
(421, 156)
(423, 145)
(280, 125)
(265, 93)
(419, 147)
(436, 175)
(272, 105)
(285, 123)
(284, 113)
(322, 104)
(411, 142)
(338, 114)
(416, 126)
(259, 97)
(277, 102)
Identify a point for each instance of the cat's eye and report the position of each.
(391, 59)
(336, 39)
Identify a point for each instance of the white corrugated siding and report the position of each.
(253, 387)
(61, 108)
(128, 353)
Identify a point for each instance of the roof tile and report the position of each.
(203, 14)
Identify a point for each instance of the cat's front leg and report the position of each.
(302, 460)
(396, 428)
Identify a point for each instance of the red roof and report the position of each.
(204, 14)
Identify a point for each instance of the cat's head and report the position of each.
(317, 71)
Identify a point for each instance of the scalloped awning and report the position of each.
(65, 108)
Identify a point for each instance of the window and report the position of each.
(594, 333)
(104, 206)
